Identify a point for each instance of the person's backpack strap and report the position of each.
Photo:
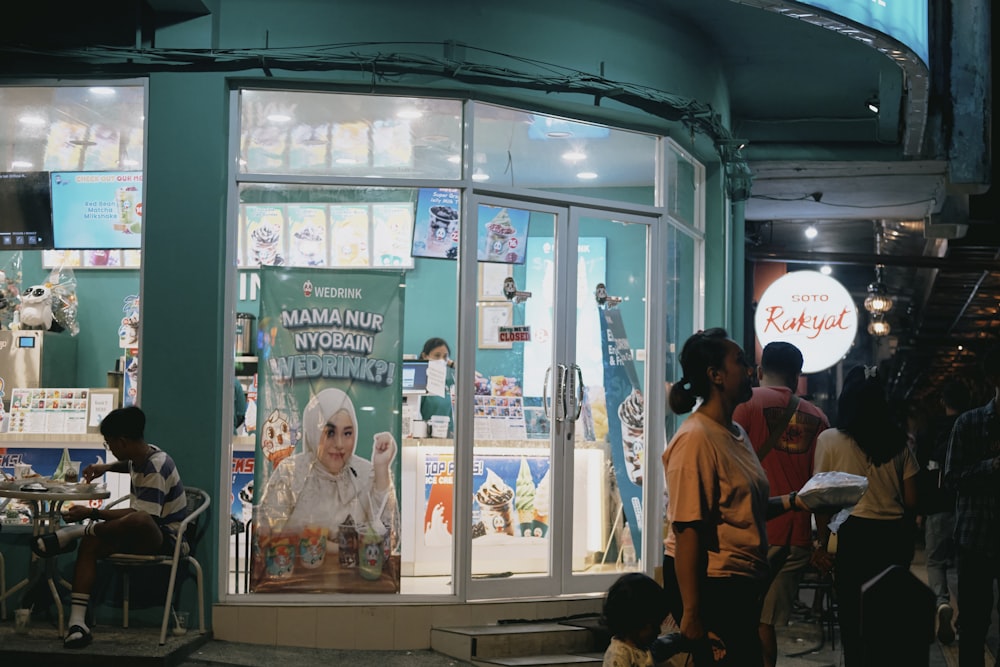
(776, 432)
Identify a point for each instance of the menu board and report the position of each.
(499, 418)
(47, 410)
(317, 235)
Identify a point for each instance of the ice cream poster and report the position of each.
(436, 223)
(626, 418)
(512, 497)
(327, 461)
(97, 209)
(503, 233)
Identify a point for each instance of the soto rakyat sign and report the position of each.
(811, 311)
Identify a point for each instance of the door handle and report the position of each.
(561, 393)
(545, 392)
(579, 391)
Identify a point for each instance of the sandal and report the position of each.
(77, 637)
(51, 543)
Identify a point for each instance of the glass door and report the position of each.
(561, 324)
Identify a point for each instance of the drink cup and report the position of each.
(72, 474)
(279, 556)
(347, 545)
(498, 518)
(371, 555)
(418, 428)
(22, 619)
(312, 546)
(21, 470)
(181, 619)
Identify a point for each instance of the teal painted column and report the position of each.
(183, 285)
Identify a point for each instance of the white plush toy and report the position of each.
(36, 308)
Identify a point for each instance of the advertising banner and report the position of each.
(327, 464)
(97, 209)
(502, 234)
(512, 497)
(435, 230)
(626, 418)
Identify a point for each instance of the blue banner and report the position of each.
(626, 418)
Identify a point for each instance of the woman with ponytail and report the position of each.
(715, 563)
(867, 442)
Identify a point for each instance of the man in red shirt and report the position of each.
(787, 458)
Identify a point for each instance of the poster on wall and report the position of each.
(626, 418)
(327, 466)
(512, 498)
(503, 232)
(98, 210)
(435, 230)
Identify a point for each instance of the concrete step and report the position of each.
(489, 642)
(547, 660)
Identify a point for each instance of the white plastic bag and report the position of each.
(833, 490)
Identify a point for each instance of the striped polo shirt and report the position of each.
(157, 490)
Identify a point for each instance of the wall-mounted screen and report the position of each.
(903, 20)
(25, 211)
(100, 210)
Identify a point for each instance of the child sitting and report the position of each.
(634, 608)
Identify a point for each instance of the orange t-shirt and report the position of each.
(714, 477)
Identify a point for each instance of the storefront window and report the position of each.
(366, 136)
(521, 149)
(71, 190)
(685, 176)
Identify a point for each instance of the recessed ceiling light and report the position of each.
(960, 348)
(454, 159)
(558, 135)
(279, 118)
(480, 176)
(409, 113)
(103, 91)
(811, 232)
(825, 270)
(587, 175)
(34, 121)
(21, 164)
(346, 160)
(574, 156)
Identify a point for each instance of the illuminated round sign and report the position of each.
(811, 311)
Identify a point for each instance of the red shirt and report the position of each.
(789, 464)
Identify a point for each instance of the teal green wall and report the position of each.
(100, 296)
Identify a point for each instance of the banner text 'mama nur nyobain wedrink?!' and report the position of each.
(328, 423)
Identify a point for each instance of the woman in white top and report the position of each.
(866, 442)
(715, 563)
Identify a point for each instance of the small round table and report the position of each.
(46, 516)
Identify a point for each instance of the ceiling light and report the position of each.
(346, 160)
(34, 121)
(872, 104)
(574, 156)
(960, 348)
(409, 114)
(21, 164)
(811, 232)
(129, 162)
(103, 91)
(480, 176)
(558, 135)
(587, 175)
(279, 118)
(825, 269)
(454, 159)
(879, 327)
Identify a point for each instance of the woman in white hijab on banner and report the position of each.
(328, 482)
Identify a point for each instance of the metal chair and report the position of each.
(197, 502)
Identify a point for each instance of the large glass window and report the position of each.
(349, 135)
(521, 149)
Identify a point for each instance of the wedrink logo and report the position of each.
(811, 311)
(329, 292)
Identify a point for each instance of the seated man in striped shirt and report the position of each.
(148, 526)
